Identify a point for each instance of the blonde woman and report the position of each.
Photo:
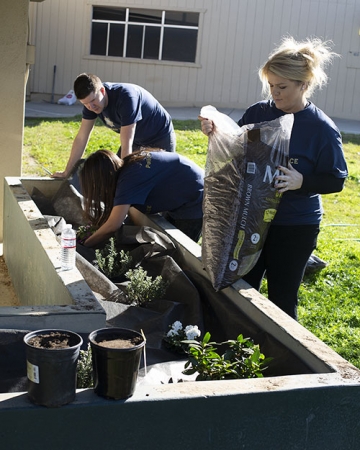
(317, 165)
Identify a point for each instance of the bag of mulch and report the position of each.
(240, 198)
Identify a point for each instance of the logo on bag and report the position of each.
(233, 265)
(251, 168)
(269, 177)
(269, 214)
(255, 238)
(241, 237)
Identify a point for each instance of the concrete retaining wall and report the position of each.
(317, 410)
(49, 297)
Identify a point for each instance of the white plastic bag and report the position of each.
(240, 199)
(68, 99)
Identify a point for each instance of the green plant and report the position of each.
(142, 288)
(241, 359)
(177, 334)
(111, 261)
(84, 369)
(84, 232)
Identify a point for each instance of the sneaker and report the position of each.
(315, 264)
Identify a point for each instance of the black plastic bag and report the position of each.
(240, 198)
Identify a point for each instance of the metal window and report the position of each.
(144, 34)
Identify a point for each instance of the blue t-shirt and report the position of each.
(315, 148)
(160, 182)
(128, 104)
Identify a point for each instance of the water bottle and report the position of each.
(68, 248)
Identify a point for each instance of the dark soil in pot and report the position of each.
(53, 340)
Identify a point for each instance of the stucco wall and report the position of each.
(235, 38)
(13, 38)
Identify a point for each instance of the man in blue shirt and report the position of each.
(127, 109)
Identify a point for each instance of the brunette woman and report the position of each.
(151, 181)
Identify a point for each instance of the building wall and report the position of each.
(235, 38)
(13, 39)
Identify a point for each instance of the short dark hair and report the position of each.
(85, 84)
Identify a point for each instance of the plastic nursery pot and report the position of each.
(51, 358)
(115, 366)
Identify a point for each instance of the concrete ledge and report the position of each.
(209, 415)
(48, 296)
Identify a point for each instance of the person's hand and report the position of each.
(289, 179)
(207, 126)
(59, 174)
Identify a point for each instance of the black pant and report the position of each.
(168, 143)
(283, 259)
(190, 227)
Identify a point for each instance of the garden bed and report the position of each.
(162, 250)
(307, 384)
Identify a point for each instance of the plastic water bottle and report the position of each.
(68, 248)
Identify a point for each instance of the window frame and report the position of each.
(126, 23)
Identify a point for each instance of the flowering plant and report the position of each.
(84, 232)
(242, 359)
(142, 288)
(177, 334)
(111, 262)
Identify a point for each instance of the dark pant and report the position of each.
(283, 259)
(167, 143)
(190, 227)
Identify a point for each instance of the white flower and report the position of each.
(192, 332)
(177, 334)
(171, 333)
(177, 326)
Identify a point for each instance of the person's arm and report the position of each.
(292, 180)
(114, 222)
(78, 147)
(127, 134)
(322, 184)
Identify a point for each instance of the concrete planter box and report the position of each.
(49, 297)
(317, 407)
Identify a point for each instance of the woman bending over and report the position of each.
(151, 181)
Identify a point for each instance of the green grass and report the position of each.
(329, 301)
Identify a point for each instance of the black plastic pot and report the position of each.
(115, 369)
(51, 372)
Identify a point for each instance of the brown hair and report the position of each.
(98, 179)
(302, 61)
(85, 84)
